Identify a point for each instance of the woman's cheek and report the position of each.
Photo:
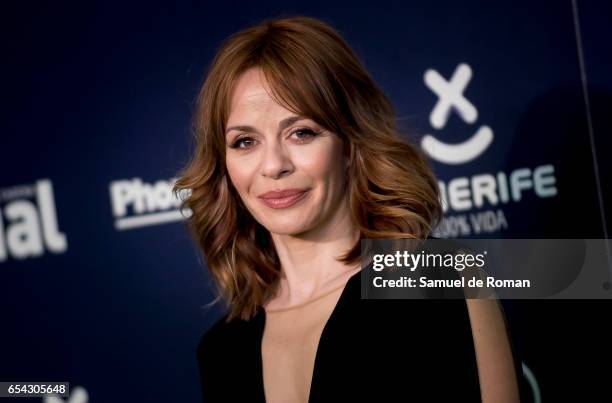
(238, 177)
(317, 161)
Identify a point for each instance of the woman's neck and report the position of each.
(309, 261)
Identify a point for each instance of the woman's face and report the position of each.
(288, 171)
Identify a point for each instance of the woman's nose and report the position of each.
(276, 161)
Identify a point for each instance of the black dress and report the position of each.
(411, 350)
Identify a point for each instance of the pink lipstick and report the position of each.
(282, 198)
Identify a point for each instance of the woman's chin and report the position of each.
(287, 228)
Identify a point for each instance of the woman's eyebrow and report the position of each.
(283, 124)
(241, 128)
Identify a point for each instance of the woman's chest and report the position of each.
(288, 361)
(288, 349)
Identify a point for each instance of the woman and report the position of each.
(298, 158)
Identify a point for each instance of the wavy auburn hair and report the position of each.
(311, 70)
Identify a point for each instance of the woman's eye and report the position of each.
(304, 134)
(243, 142)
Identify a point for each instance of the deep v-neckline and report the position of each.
(262, 320)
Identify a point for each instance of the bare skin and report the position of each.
(496, 372)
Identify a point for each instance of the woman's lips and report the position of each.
(283, 199)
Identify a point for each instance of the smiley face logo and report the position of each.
(451, 98)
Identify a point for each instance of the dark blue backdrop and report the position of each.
(100, 284)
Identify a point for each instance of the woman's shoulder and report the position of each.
(223, 345)
(219, 348)
(213, 335)
(224, 333)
